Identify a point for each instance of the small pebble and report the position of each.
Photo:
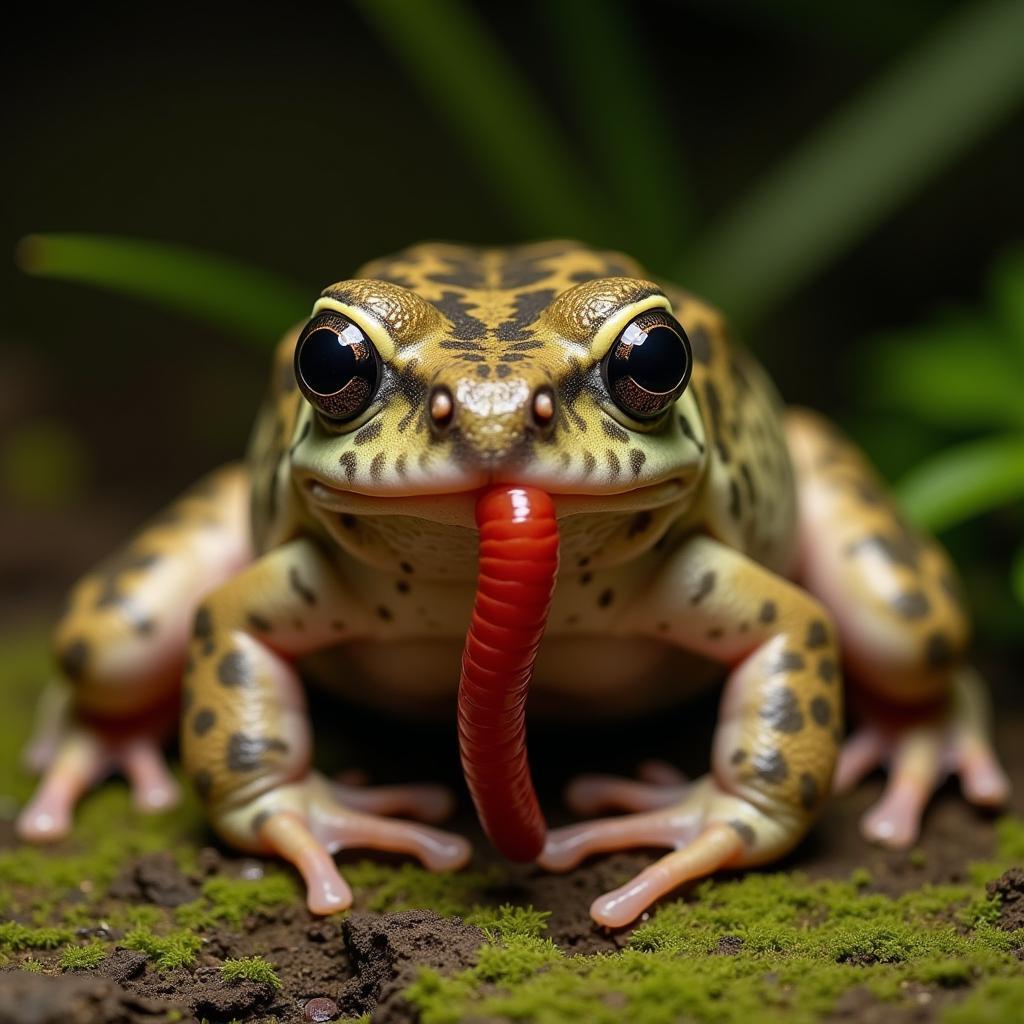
(251, 870)
(321, 1009)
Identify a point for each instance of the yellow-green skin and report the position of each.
(729, 533)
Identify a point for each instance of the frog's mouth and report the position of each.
(518, 566)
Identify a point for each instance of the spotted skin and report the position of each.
(723, 533)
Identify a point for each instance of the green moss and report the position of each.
(994, 1001)
(510, 922)
(231, 900)
(383, 887)
(32, 966)
(250, 968)
(82, 958)
(168, 952)
(15, 936)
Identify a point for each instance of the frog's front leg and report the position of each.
(246, 734)
(776, 741)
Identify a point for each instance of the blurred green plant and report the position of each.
(961, 376)
(867, 159)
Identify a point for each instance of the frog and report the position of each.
(706, 532)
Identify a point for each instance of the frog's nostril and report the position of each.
(442, 406)
(543, 407)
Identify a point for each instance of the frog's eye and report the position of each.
(648, 365)
(336, 366)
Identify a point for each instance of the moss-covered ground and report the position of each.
(768, 946)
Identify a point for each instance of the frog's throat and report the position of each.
(518, 566)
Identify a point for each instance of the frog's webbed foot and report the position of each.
(77, 759)
(919, 755)
(309, 821)
(708, 830)
(660, 785)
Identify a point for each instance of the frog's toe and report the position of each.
(80, 761)
(422, 801)
(593, 794)
(153, 786)
(717, 846)
(566, 847)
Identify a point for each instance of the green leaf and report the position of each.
(607, 70)
(250, 302)
(1007, 284)
(954, 375)
(448, 49)
(959, 84)
(965, 481)
(1017, 575)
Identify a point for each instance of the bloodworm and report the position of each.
(518, 566)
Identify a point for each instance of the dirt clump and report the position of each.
(386, 952)
(1009, 888)
(27, 998)
(154, 878)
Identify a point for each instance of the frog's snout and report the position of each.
(491, 419)
(518, 567)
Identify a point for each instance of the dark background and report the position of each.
(290, 136)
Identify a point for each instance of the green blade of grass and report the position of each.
(449, 51)
(905, 128)
(616, 102)
(965, 481)
(955, 374)
(250, 302)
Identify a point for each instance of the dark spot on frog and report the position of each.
(817, 635)
(738, 757)
(369, 432)
(259, 820)
(202, 629)
(700, 345)
(245, 752)
(502, 370)
(826, 670)
(748, 480)
(637, 458)
(614, 464)
(405, 567)
(939, 652)
(295, 582)
(584, 561)
(377, 467)
(781, 710)
(704, 587)
(900, 550)
(188, 697)
(347, 461)
(606, 597)
(402, 586)
(348, 521)
(744, 831)
(589, 463)
(73, 658)
(639, 523)
(586, 577)
(769, 612)
(260, 624)
(233, 670)
(913, 604)
(787, 661)
(771, 766)
(204, 721)
(735, 509)
(385, 613)
(715, 633)
(202, 783)
(821, 711)
(808, 791)
(687, 429)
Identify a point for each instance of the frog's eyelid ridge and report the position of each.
(378, 334)
(607, 333)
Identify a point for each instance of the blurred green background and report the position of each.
(845, 180)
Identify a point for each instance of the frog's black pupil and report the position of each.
(657, 361)
(328, 360)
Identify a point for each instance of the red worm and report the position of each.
(518, 565)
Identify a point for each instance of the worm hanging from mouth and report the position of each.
(518, 566)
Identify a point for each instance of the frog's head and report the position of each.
(444, 369)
